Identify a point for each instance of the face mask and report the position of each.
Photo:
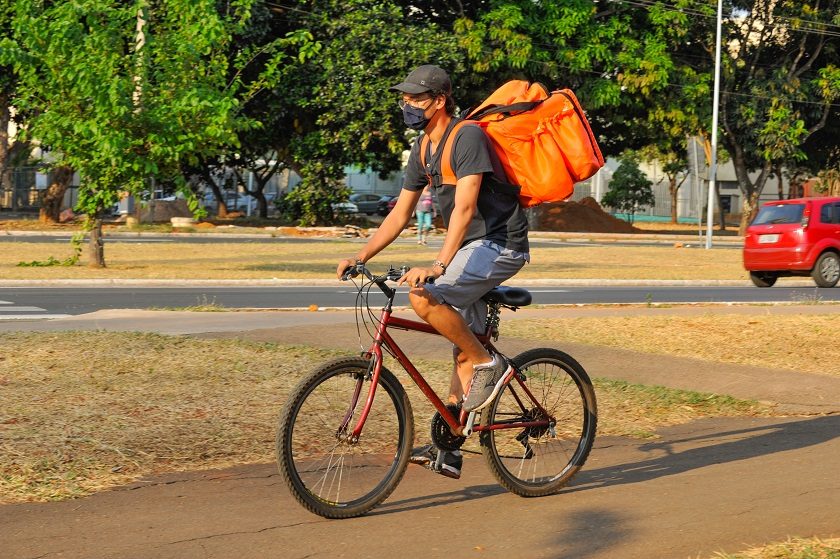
(415, 117)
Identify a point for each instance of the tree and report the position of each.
(120, 105)
(630, 189)
(674, 163)
(254, 146)
(10, 150)
(334, 109)
(780, 80)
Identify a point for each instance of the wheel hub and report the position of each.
(830, 269)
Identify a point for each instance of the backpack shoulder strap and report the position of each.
(424, 145)
(447, 174)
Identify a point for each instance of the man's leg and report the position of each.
(453, 306)
(462, 371)
(450, 324)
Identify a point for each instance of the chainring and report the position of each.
(441, 434)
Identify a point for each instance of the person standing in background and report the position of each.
(425, 212)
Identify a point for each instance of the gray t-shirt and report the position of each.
(499, 217)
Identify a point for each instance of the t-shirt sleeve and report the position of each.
(470, 153)
(415, 177)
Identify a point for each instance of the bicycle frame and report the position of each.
(457, 425)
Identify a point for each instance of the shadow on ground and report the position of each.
(712, 448)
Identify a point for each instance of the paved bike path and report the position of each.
(703, 487)
(713, 484)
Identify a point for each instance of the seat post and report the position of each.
(493, 319)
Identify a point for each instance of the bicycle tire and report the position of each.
(540, 461)
(317, 464)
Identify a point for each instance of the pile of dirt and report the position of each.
(585, 216)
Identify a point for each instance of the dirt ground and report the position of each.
(585, 216)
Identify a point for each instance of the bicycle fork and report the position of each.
(373, 373)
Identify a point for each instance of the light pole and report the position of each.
(713, 163)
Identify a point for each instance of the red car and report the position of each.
(797, 237)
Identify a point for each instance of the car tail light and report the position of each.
(806, 216)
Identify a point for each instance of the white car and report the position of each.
(345, 208)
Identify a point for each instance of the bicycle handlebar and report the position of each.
(392, 274)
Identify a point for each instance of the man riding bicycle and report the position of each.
(486, 242)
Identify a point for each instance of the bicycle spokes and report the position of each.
(329, 471)
(547, 424)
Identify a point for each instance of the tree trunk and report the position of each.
(5, 169)
(750, 190)
(779, 186)
(672, 189)
(96, 247)
(53, 196)
(795, 189)
(262, 204)
(221, 208)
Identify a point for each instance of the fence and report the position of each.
(23, 194)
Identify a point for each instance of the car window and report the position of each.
(836, 213)
(827, 214)
(779, 213)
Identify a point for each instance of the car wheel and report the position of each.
(826, 270)
(763, 279)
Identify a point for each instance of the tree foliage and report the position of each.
(630, 190)
(303, 85)
(119, 107)
(8, 87)
(780, 82)
(333, 109)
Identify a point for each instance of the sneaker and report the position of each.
(443, 462)
(486, 382)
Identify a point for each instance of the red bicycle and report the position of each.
(347, 429)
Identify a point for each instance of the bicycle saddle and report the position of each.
(510, 296)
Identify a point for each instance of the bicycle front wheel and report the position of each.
(328, 473)
(536, 461)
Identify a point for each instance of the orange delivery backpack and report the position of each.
(542, 139)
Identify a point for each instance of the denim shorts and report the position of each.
(477, 268)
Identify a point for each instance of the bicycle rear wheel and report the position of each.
(537, 461)
(326, 473)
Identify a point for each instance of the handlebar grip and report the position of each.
(350, 272)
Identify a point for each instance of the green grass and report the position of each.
(85, 411)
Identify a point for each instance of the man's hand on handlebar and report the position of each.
(416, 277)
(344, 266)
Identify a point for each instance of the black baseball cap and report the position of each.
(424, 79)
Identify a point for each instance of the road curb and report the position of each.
(279, 282)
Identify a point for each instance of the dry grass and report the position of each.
(220, 260)
(802, 343)
(83, 411)
(794, 548)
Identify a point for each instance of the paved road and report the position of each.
(43, 302)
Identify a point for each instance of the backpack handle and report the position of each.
(506, 110)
